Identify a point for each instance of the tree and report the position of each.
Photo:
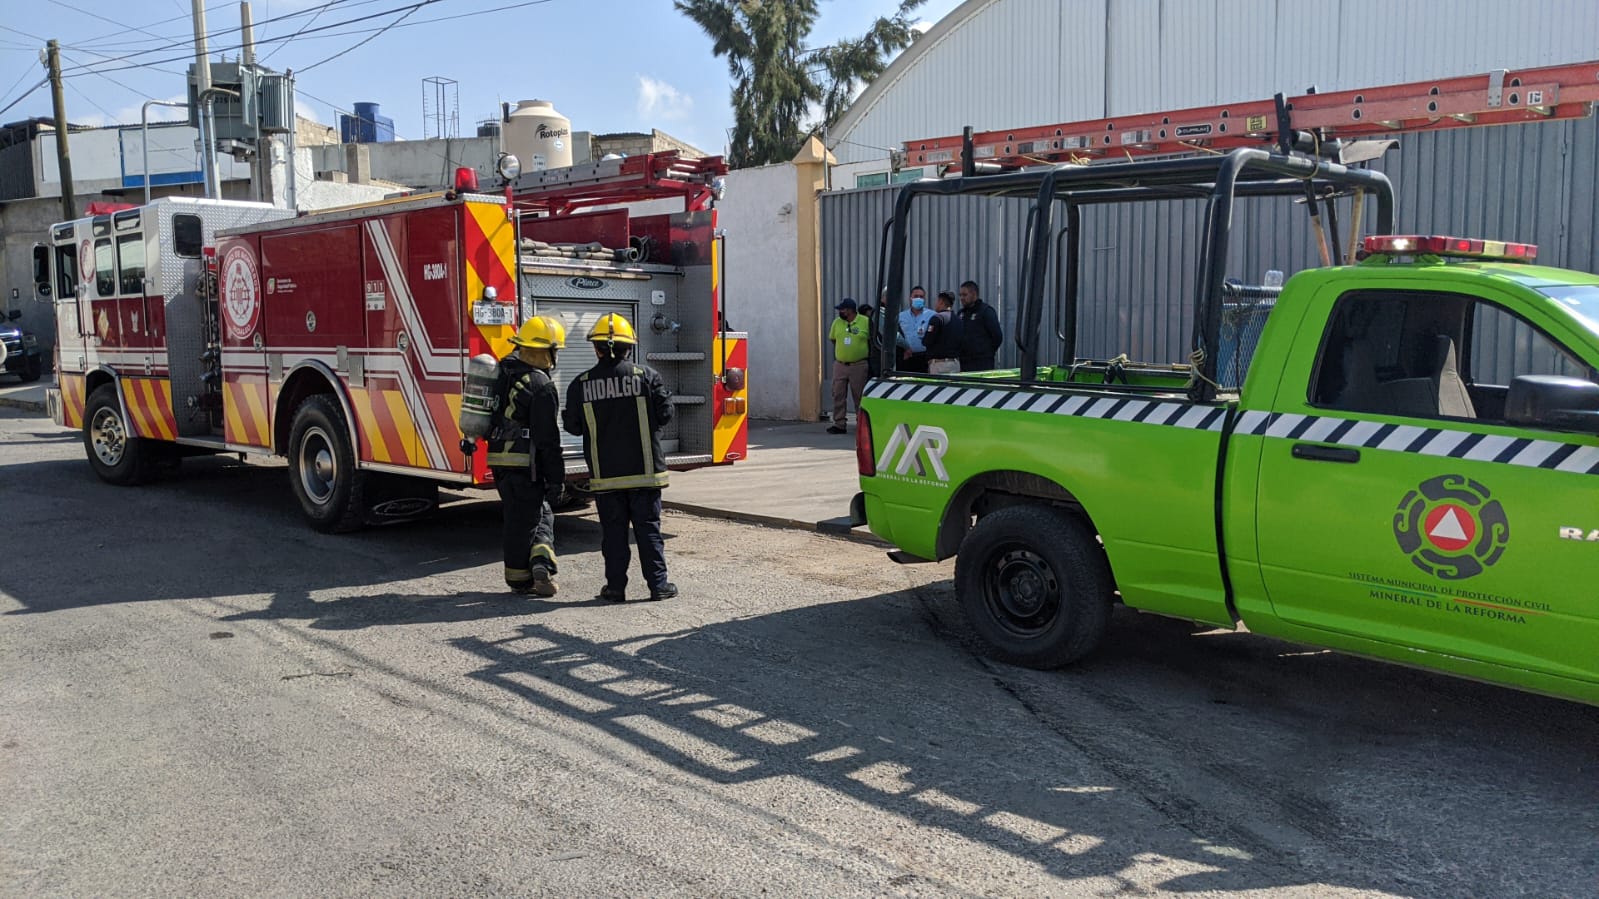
(783, 89)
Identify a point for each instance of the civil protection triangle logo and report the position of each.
(1451, 527)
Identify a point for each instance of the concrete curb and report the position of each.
(829, 528)
(27, 405)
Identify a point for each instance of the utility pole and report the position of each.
(69, 202)
(263, 160)
(202, 74)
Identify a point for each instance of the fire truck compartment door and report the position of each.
(578, 316)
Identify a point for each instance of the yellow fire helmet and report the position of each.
(541, 333)
(612, 328)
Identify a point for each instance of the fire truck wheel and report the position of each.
(322, 469)
(115, 454)
(1035, 585)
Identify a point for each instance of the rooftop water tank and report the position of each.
(538, 136)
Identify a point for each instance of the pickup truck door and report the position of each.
(1394, 502)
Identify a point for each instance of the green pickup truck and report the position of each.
(1372, 487)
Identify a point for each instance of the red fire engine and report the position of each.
(341, 339)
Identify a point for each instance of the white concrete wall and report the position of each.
(311, 194)
(425, 164)
(759, 217)
(103, 158)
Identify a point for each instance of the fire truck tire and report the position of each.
(115, 454)
(1035, 585)
(322, 469)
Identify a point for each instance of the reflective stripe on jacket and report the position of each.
(620, 408)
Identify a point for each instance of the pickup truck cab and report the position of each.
(1387, 481)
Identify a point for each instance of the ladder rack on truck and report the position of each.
(1500, 97)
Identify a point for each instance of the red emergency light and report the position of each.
(1465, 247)
(466, 179)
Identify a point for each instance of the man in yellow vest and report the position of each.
(525, 455)
(851, 335)
(619, 408)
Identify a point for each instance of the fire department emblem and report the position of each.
(1452, 527)
(86, 260)
(241, 298)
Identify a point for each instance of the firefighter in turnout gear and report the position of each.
(619, 407)
(525, 454)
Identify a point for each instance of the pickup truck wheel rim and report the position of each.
(319, 471)
(110, 440)
(1022, 591)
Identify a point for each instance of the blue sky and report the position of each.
(609, 65)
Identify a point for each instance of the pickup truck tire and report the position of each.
(322, 467)
(114, 453)
(1035, 585)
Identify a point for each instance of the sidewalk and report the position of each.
(797, 476)
(29, 397)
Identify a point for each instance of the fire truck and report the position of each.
(340, 340)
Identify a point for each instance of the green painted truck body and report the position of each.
(1394, 513)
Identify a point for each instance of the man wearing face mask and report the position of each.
(912, 337)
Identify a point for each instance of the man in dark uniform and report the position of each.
(619, 408)
(525, 454)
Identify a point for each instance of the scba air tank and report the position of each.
(478, 400)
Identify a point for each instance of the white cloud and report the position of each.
(658, 100)
(129, 115)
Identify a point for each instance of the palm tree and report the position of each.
(779, 82)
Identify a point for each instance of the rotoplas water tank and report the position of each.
(538, 136)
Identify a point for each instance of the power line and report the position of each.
(96, 15)
(174, 41)
(308, 23)
(136, 54)
(123, 29)
(363, 42)
(110, 116)
(42, 82)
(330, 28)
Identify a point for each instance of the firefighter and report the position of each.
(619, 408)
(525, 453)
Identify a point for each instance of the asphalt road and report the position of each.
(199, 695)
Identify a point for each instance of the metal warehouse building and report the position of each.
(997, 64)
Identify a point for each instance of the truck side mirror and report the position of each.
(1550, 401)
(41, 271)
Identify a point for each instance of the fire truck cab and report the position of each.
(340, 339)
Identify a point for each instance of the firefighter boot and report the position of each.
(543, 582)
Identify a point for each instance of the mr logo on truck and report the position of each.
(920, 454)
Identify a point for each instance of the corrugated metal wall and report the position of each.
(1010, 63)
(1532, 183)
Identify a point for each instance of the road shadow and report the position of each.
(1091, 772)
(221, 528)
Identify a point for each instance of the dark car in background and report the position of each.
(19, 350)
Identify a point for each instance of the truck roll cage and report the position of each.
(1220, 179)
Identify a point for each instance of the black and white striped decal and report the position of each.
(1442, 443)
(1151, 412)
(1439, 442)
